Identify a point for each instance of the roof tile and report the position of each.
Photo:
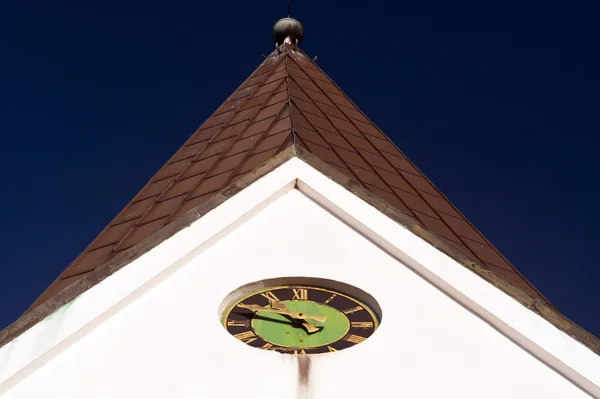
(269, 87)
(258, 127)
(244, 115)
(325, 154)
(485, 252)
(171, 169)
(216, 120)
(307, 85)
(401, 163)
(319, 97)
(361, 143)
(439, 204)
(394, 180)
(272, 142)
(393, 199)
(257, 159)
(308, 107)
(211, 184)
(188, 151)
(215, 149)
(369, 177)
(163, 209)
(203, 135)
(281, 96)
(354, 114)
(199, 167)
(256, 101)
(311, 136)
(227, 164)
(299, 119)
(333, 111)
(462, 228)
(270, 111)
(368, 128)
(317, 121)
(335, 139)
(152, 189)
(276, 76)
(244, 145)
(376, 160)
(139, 233)
(297, 93)
(113, 234)
(88, 261)
(135, 210)
(190, 204)
(281, 125)
(352, 157)
(416, 203)
(345, 126)
(383, 145)
(438, 226)
(181, 187)
(230, 131)
(420, 183)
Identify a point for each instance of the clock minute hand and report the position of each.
(309, 327)
(279, 310)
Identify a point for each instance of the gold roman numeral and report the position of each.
(270, 296)
(362, 324)
(246, 337)
(355, 339)
(235, 323)
(331, 298)
(331, 349)
(300, 293)
(268, 346)
(356, 309)
(302, 352)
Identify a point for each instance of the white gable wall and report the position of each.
(152, 329)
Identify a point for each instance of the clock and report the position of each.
(299, 319)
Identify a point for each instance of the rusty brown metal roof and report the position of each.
(287, 100)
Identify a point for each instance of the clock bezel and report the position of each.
(351, 293)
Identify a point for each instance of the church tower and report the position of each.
(289, 249)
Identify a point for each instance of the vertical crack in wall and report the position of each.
(304, 364)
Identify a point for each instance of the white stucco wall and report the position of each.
(169, 343)
(152, 330)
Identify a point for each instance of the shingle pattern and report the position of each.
(287, 100)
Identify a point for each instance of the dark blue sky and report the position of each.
(497, 104)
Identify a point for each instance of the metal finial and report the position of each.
(289, 7)
(288, 27)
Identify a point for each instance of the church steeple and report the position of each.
(287, 101)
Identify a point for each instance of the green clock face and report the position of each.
(299, 319)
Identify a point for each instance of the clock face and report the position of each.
(299, 319)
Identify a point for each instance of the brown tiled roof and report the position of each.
(287, 100)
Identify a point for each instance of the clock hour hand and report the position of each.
(278, 308)
(307, 326)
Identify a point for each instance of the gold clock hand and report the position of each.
(308, 327)
(280, 308)
(294, 315)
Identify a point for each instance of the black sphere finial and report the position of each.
(288, 27)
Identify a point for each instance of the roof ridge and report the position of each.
(289, 99)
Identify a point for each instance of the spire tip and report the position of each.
(288, 27)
